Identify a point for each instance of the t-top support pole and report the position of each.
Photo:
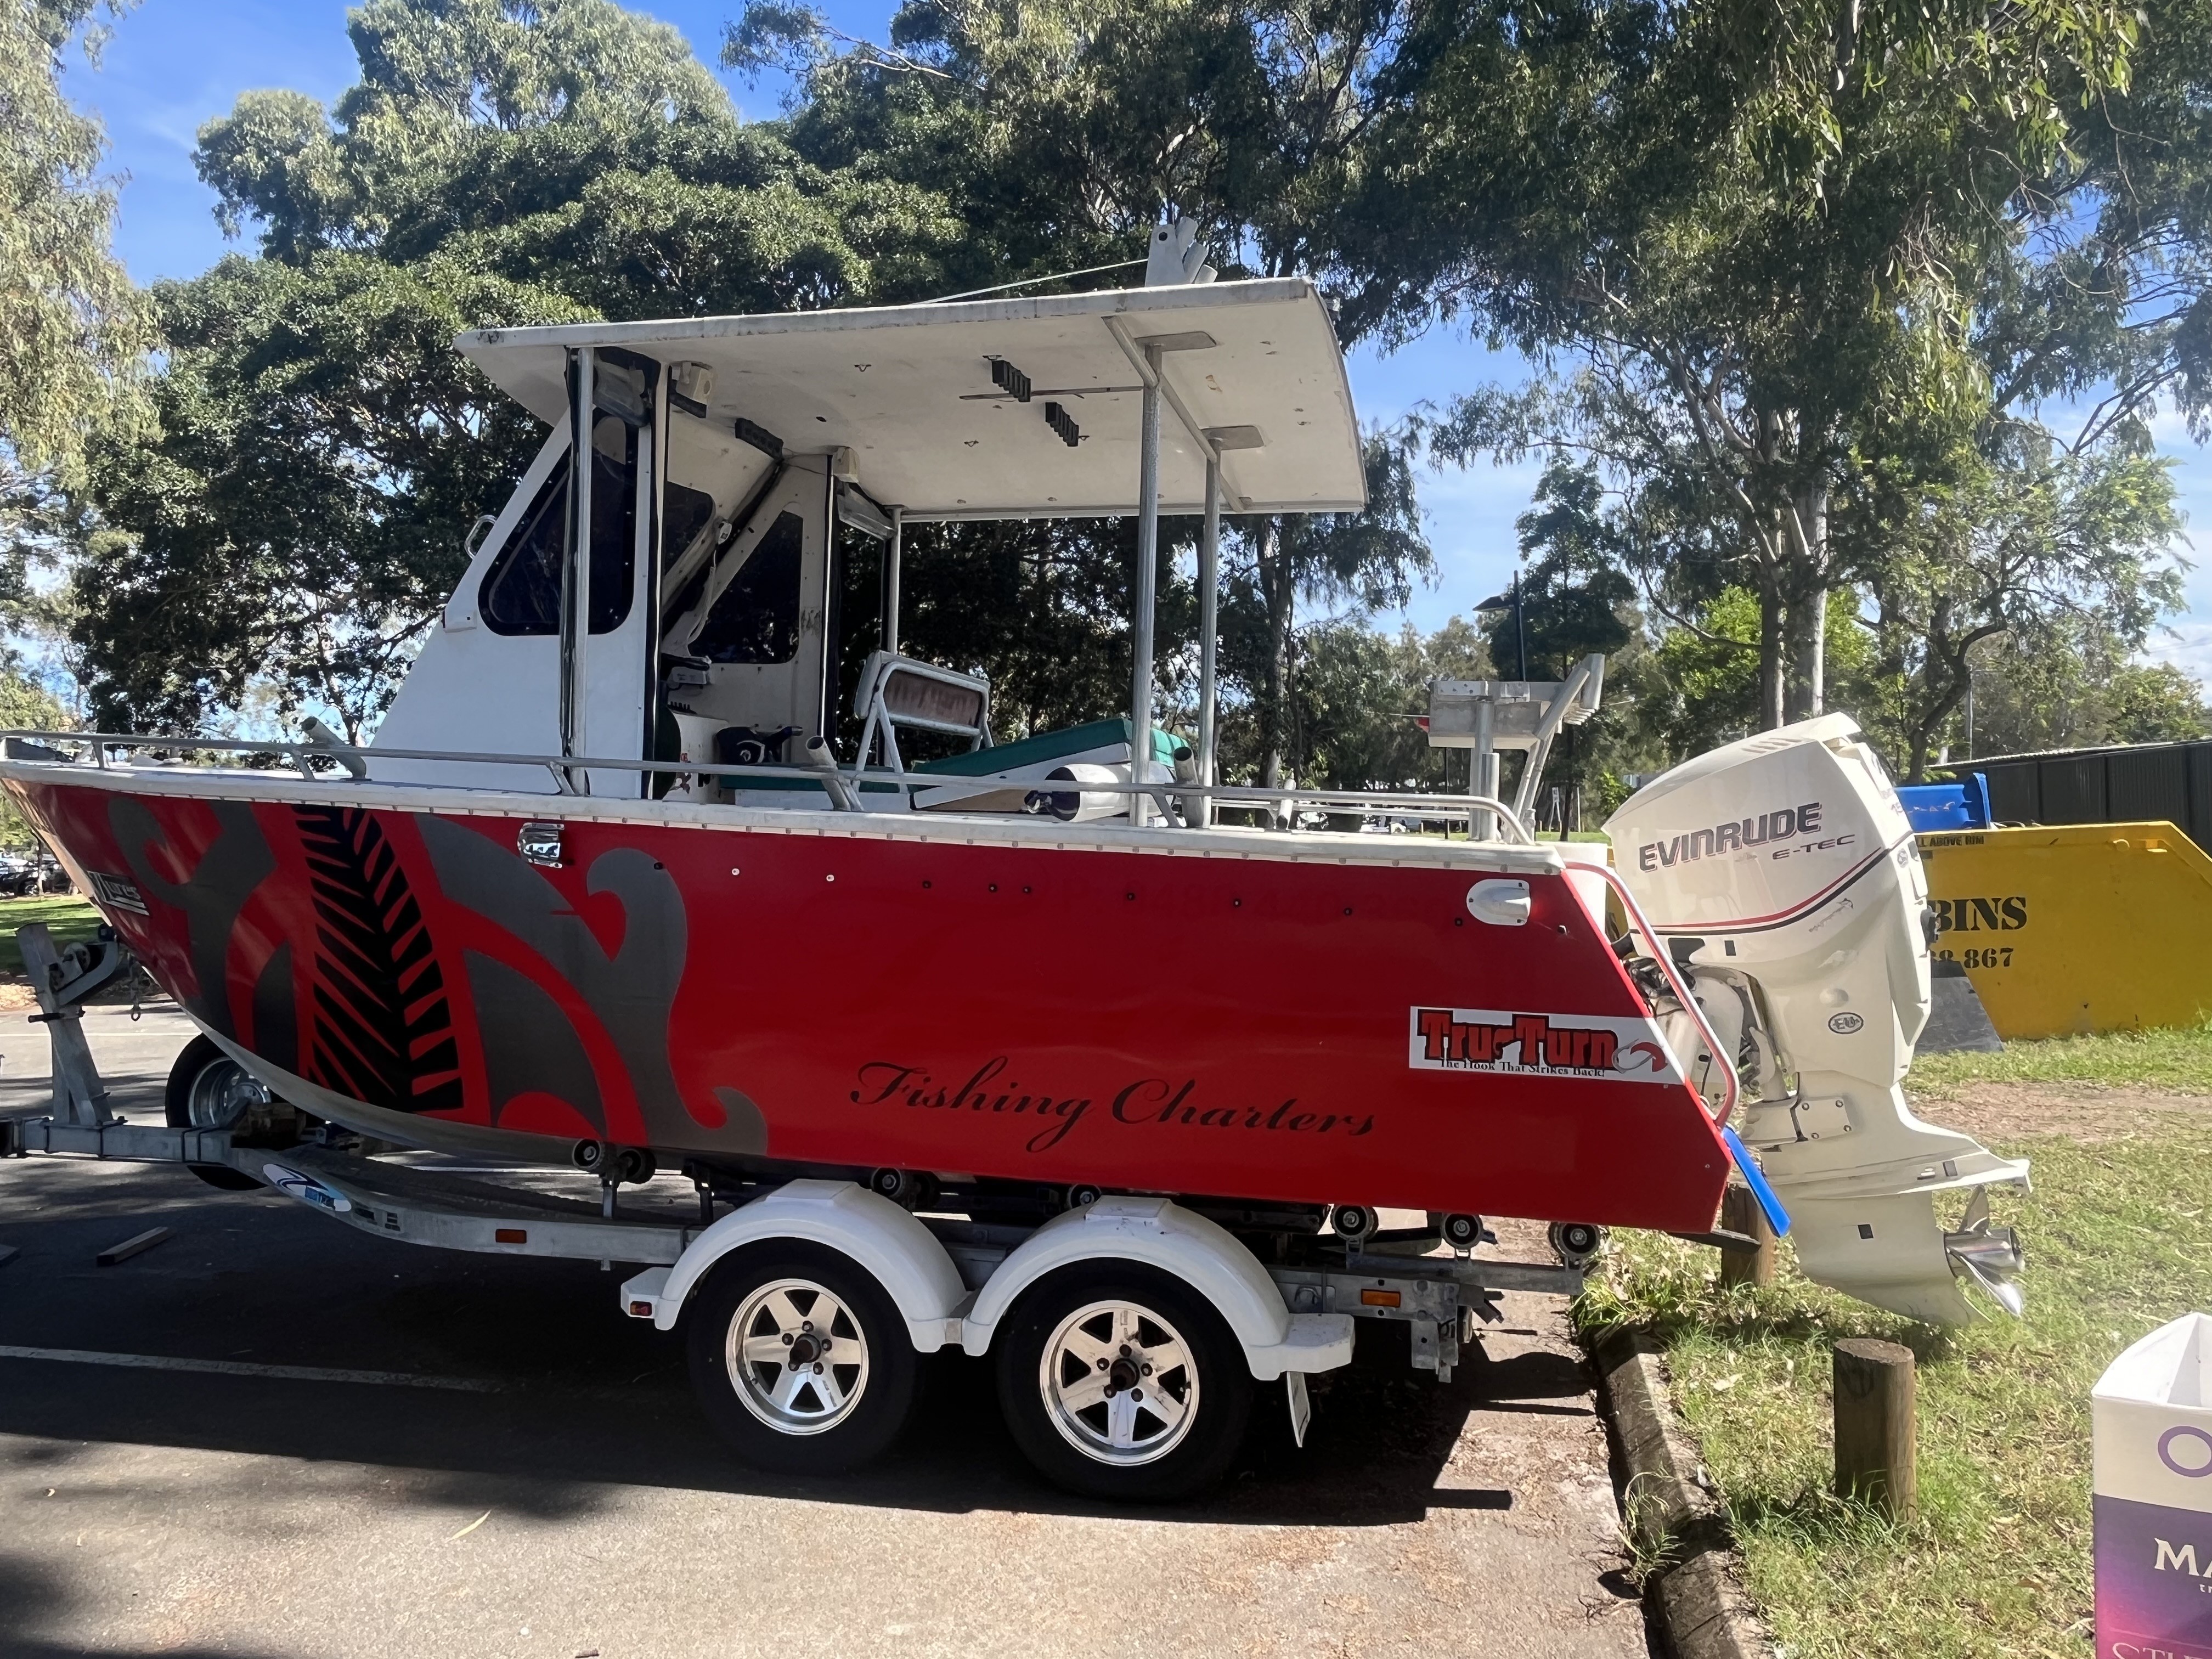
(1148, 549)
(891, 582)
(1209, 626)
(576, 563)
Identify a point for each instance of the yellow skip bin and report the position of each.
(2072, 928)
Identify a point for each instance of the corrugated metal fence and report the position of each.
(2169, 781)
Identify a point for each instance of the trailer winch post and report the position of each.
(60, 981)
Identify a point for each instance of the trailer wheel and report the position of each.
(209, 1090)
(801, 1358)
(1120, 1381)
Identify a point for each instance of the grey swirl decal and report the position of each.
(236, 862)
(632, 991)
(529, 1046)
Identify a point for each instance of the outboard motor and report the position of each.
(1781, 873)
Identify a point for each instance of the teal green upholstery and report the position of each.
(1052, 746)
(1167, 749)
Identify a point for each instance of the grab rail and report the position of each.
(1721, 1057)
(563, 766)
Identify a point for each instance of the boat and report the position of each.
(606, 888)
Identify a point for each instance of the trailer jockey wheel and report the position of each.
(801, 1358)
(1119, 1382)
(209, 1090)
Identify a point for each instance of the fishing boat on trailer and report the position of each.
(606, 887)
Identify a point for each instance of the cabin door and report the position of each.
(610, 590)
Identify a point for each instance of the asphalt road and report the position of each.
(558, 1494)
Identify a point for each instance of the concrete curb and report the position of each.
(1693, 1587)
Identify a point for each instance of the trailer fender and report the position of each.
(903, 1254)
(1206, 1256)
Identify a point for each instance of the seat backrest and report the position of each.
(904, 692)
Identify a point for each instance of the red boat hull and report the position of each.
(1269, 1027)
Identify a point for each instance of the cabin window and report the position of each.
(756, 617)
(521, 592)
(684, 512)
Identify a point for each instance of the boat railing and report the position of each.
(845, 795)
(1719, 1059)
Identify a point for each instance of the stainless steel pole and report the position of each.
(576, 560)
(1209, 626)
(891, 582)
(1148, 547)
(1480, 820)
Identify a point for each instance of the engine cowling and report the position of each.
(1782, 875)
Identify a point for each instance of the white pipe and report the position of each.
(1209, 625)
(1484, 783)
(1148, 547)
(576, 561)
(891, 583)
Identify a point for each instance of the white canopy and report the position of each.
(911, 390)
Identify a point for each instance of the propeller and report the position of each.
(1990, 1256)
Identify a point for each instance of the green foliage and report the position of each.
(1060, 128)
(2043, 547)
(322, 450)
(72, 327)
(1710, 664)
(2154, 703)
(2071, 686)
(25, 705)
(299, 516)
(1793, 259)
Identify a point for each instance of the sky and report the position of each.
(171, 64)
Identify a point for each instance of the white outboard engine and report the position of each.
(1781, 874)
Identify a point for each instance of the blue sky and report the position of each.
(171, 64)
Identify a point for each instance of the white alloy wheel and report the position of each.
(797, 1357)
(1119, 1384)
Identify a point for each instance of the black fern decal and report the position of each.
(384, 1032)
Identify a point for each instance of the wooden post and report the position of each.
(1740, 1213)
(1875, 1440)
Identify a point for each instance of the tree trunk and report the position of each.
(1809, 634)
(1809, 610)
(1770, 651)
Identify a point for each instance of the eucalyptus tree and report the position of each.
(298, 516)
(72, 327)
(2029, 548)
(1062, 131)
(1750, 239)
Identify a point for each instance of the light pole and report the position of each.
(1511, 601)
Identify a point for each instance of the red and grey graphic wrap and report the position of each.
(1230, 1026)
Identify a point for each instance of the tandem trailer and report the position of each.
(1132, 1331)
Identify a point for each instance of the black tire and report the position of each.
(200, 1057)
(809, 1433)
(1070, 1443)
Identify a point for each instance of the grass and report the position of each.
(70, 917)
(2180, 1061)
(2118, 1238)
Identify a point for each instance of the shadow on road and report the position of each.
(586, 1398)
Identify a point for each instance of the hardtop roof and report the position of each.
(909, 390)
